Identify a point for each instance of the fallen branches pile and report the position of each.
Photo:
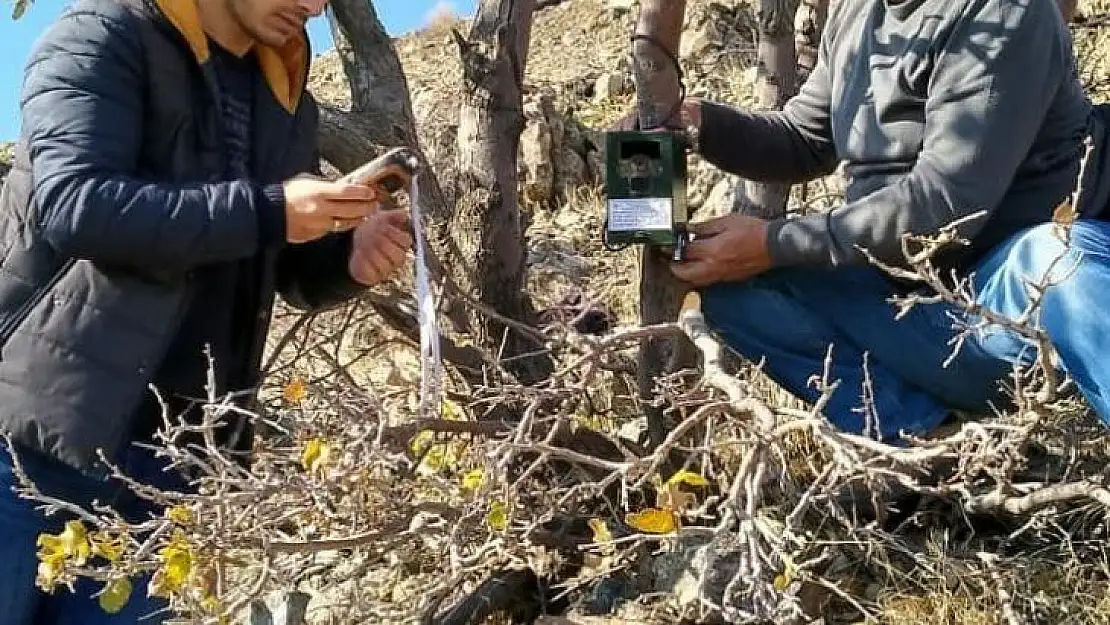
(525, 501)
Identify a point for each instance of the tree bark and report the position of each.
(344, 138)
(381, 117)
(1068, 8)
(487, 227)
(778, 82)
(379, 95)
(661, 294)
(809, 23)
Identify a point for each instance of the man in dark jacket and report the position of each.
(165, 188)
(941, 109)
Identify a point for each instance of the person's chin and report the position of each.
(274, 38)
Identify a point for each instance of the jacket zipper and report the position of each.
(8, 328)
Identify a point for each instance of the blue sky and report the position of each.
(16, 39)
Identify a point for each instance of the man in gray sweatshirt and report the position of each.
(940, 110)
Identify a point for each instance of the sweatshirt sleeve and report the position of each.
(82, 111)
(995, 76)
(789, 146)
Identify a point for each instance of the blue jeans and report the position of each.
(789, 319)
(21, 602)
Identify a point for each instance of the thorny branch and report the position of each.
(766, 505)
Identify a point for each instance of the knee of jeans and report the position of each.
(728, 304)
(1041, 254)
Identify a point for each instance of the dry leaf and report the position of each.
(473, 480)
(689, 478)
(673, 498)
(498, 517)
(653, 521)
(315, 455)
(1065, 214)
(115, 596)
(601, 531)
(295, 392)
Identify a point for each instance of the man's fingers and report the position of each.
(707, 228)
(379, 260)
(395, 254)
(401, 238)
(693, 272)
(346, 192)
(362, 269)
(350, 210)
(397, 218)
(700, 250)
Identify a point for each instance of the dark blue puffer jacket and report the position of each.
(116, 195)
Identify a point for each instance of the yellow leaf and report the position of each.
(115, 595)
(75, 542)
(789, 572)
(601, 531)
(49, 571)
(180, 515)
(177, 566)
(50, 547)
(211, 605)
(315, 455)
(473, 480)
(436, 456)
(108, 547)
(654, 521)
(450, 411)
(498, 516)
(689, 478)
(421, 441)
(295, 391)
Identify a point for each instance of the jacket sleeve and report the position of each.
(82, 111)
(314, 276)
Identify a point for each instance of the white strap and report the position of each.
(431, 365)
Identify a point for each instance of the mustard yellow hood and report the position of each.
(285, 68)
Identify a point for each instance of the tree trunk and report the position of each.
(487, 227)
(809, 23)
(777, 83)
(1068, 8)
(661, 294)
(381, 117)
(379, 89)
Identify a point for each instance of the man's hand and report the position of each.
(381, 246)
(315, 207)
(688, 115)
(726, 249)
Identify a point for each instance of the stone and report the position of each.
(621, 7)
(536, 166)
(726, 197)
(608, 86)
(573, 171)
(695, 43)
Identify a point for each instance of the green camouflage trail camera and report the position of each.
(645, 182)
